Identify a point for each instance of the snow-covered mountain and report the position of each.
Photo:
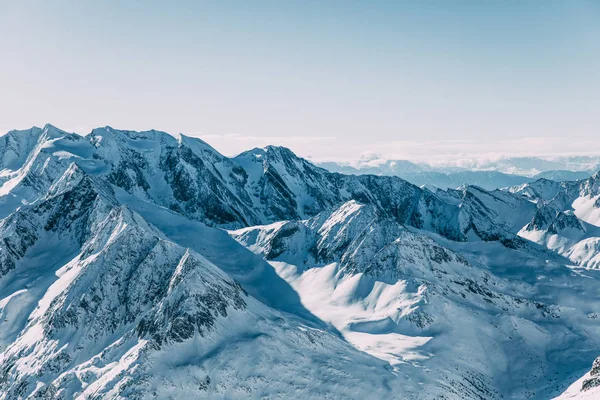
(119, 280)
(588, 387)
(567, 218)
(489, 180)
(568, 221)
(98, 303)
(465, 318)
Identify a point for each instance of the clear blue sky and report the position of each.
(330, 79)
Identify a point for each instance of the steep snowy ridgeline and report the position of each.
(113, 284)
(15, 146)
(258, 187)
(469, 214)
(585, 388)
(258, 277)
(293, 189)
(567, 219)
(352, 235)
(297, 188)
(97, 303)
(399, 295)
(566, 234)
(541, 189)
(489, 215)
(568, 222)
(587, 205)
(276, 173)
(44, 162)
(185, 175)
(37, 239)
(583, 197)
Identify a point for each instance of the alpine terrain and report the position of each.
(146, 266)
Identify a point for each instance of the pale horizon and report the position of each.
(405, 80)
(467, 154)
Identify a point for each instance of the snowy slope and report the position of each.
(568, 222)
(121, 311)
(117, 280)
(39, 165)
(467, 315)
(258, 187)
(587, 387)
(15, 146)
(567, 219)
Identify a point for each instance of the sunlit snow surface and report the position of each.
(366, 322)
(425, 318)
(118, 280)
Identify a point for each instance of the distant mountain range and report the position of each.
(504, 173)
(138, 265)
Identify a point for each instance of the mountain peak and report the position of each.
(129, 133)
(274, 148)
(105, 247)
(23, 132)
(197, 145)
(269, 151)
(280, 151)
(51, 131)
(49, 126)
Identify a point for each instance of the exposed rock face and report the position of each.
(389, 280)
(594, 380)
(355, 235)
(258, 187)
(92, 296)
(567, 219)
(116, 294)
(16, 146)
(374, 287)
(543, 218)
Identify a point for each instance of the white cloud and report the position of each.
(440, 152)
(457, 152)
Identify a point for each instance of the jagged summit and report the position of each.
(257, 187)
(143, 265)
(51, 128)
(119, 134)
(271, 152)
(16, 145)
(197, 144)
(24, 132)
(92, 297)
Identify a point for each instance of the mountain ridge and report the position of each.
(123, 250)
